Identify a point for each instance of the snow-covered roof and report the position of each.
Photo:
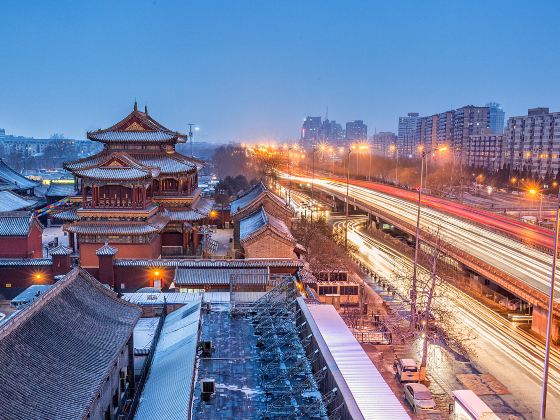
(30, 294)
(144, 333)
(10, 201)
(168, 389)
(372, 395)
(143, 299)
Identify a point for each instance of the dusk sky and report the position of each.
(252, 70)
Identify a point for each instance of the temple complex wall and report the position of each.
(21, 246)
(88, 258)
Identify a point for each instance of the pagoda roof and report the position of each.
(118, 228)
(118, 166)
(156, 163)
(136, 127)
(10, 201)
(16, 223)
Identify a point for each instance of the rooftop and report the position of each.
(259, 221)
(12, 180)
(10, 201)
(220, 276)
(16, 223)
(60, 190)
(167, 392)
(77, 352)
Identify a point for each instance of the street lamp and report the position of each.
(417, 241)
(393, 148)
(350, 150)
(550, 314)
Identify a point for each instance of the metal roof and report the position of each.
(220, 276)
(159, 298)
(372, 394)
(15, 223)
(10, 201)
(144, 333)
(31, 293)
(168, 389)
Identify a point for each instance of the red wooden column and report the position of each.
(134, 197)
(93, 195)
(84, 198)
(144, 196)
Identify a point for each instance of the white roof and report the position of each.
(158, 298)
(473, 404)
(167, 393)
(144, 333)
(372, 394)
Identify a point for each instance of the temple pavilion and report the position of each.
(138, 194)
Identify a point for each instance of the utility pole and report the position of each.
(191, 137)
(550, 312)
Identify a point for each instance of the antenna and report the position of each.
(327, 113)
(191, 136)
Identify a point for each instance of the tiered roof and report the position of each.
(154, 225)
(106, 250)
(60, 190)
(199, 210)
(136, 127)
(56, 354)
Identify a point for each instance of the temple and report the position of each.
(138, 193)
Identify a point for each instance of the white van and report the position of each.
(406, 370)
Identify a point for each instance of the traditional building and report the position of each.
(13, 181)
(265, 236)
(257, 197)
(69, 355)
(20, 235)
(138, 193)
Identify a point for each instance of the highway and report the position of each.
(512, 257)
(507, 352)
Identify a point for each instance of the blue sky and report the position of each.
(252, 70)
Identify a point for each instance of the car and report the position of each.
(419, 397)
(406, 370)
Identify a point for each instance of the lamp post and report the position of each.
(550, 314)
(417, 241)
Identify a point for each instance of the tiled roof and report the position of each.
(13, 180)
(124, 228)
(61, 250)
(68, 215)
(158, 298)
(132, 136)
(10, 201)
(245, 263)
(247, 198)
(60, 190)
(168, 164)
(136, 127)
(168, 389)
(25, 262)
(198, 211)
(106, 250)
(220, 276)
(118, 174)
(257, 222)
(15, 223)
(67, 342)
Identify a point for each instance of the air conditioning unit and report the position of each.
(208, 387)
(207, 348)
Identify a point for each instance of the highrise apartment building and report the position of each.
(310, 130)
(496, 117)
(356, 131)
(406, 141)
(380, 143)
(484, 151)
(533, 142)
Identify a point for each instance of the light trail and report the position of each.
(508, 255)
(510, 354)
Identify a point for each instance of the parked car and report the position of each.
(419, 397)
(406, 370)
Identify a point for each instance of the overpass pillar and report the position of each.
(539, 323)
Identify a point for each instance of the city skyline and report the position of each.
(196, 63)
